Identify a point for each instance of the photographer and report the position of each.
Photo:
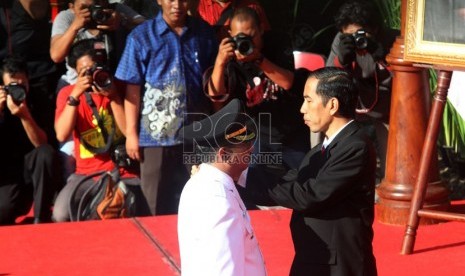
(361, 46)
(92, 112)
(85, 19)
(27, 163)
(242, 71)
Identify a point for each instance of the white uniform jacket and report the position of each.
(214, 230)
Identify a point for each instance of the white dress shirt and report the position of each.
(328, 141)
(214, 230)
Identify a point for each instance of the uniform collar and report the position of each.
(218, 175)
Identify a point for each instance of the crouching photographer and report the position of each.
(92, 112)
(272, 93)
(27, 163)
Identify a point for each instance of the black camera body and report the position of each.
(360, 39)
(16, 91)
(99, 14)
(122, 159)
(243, 43)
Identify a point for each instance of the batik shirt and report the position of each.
(169, 69)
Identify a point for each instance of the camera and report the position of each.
(360, 39)
(101, 76)
(121, 158)
(243, 43)
(16, 91)
(99, 13)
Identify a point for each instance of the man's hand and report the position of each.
(225, 52)
(113, 23)
(81, 18)
(346, 49)
(195, 169)
(19, 110)
(132, 146)
(16, 109)
(2, 98)
(83, 83)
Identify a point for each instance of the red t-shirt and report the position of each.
(211, 10)
(87, 128)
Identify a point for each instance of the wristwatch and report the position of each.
(72, 101)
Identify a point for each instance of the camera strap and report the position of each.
(363, 109)
(233, 65)
(107, 137)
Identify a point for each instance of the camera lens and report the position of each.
(102, 78)
(243, 44)
(245, 47)
(361, 42)
(360, 39)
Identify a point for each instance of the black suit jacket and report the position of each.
(332, 196)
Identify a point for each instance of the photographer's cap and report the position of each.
(228, 127)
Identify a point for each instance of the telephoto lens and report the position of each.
(102, 78)
(243, 43)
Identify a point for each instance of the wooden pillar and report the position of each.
(410, 106)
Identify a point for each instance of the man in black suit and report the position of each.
(332, 193)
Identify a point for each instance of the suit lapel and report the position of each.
(349, 130)
(314, 160)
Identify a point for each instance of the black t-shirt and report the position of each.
(286, 123)
(14, 145)
(28, 38)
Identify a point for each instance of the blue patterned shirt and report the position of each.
(169, 69)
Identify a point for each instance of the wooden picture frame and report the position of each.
(435, 33)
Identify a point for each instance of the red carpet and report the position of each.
(148, 246)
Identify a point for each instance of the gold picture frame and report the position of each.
(435, 33)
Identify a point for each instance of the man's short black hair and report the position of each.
(13, 65)
(358, 12)
(246, 13)
(79, 49)
(334, 82)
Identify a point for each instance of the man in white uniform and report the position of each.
(214, 229)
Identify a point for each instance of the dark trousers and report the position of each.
(163, 176)
(39, 185)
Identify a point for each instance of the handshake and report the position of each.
(361, 43)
